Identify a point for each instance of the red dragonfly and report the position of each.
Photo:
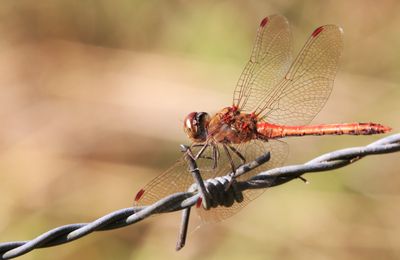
(274, 98)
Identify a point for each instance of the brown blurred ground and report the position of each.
(91, 104)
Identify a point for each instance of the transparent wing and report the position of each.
(179, 179)
(250, 150)
(269, 62)
(301, 94)
(175, 179)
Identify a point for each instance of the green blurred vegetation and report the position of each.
(93, 94)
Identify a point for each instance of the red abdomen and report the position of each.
(271, 131)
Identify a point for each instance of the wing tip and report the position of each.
(328, 27)
(139, 195)
(264, 22)
(317, 31)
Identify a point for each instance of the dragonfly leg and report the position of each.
(198, 155)
(228, 154)
(215, 157)
(242, 158)
(201, 151)
(232, 165)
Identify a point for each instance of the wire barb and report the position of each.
(184, 200)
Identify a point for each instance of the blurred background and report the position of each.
(92, 100)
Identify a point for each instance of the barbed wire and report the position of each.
(185, 200)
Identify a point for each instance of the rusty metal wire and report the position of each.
(182, 200)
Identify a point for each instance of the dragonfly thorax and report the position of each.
(232, 126)
(227, 126)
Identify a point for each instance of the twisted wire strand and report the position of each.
(182, 200)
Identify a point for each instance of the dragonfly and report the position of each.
(275, 97)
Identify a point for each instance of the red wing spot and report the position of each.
(317, 31)
(264, 22)
(139, 195)
(198, 203)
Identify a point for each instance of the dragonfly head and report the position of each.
(195, 126)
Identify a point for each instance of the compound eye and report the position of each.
(195, 126)
(191, 125)
(188, 124)
(203, 119)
